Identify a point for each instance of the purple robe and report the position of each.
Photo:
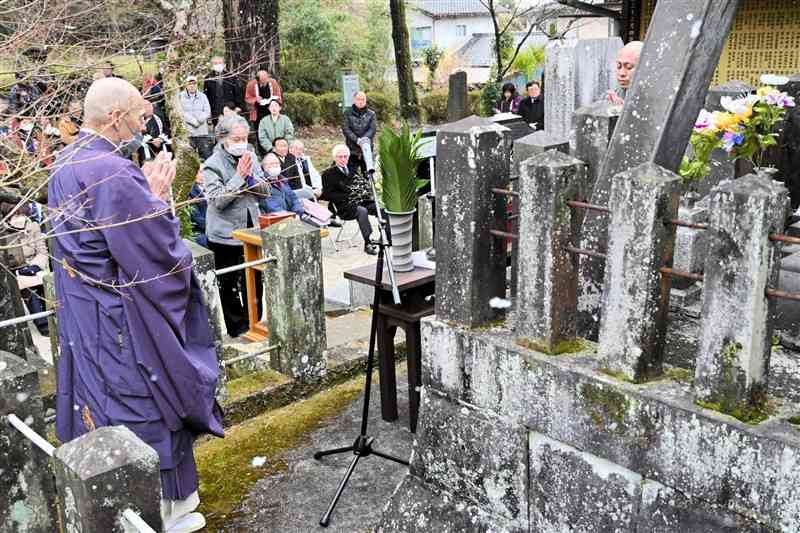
(141, 355)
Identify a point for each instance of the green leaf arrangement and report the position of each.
(399, 156)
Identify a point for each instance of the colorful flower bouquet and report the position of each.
(744, 130)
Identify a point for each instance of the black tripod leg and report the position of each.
(390, 458)
(326, 518)
(320, 455)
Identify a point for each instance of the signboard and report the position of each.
(350, 86)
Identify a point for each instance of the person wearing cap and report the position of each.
(196, 111)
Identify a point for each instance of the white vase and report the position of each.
(402, 227)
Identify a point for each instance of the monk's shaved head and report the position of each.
(113, 108)
(107, 95)
(627, 61)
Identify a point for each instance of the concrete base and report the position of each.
(602, 454)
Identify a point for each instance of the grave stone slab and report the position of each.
(547, 296)
(682, 49)
(295, 300)
(579, 72)
(594, 125)
(14, 339)
(634, 306)
(736, 332)
(103, 473)
(27, 504)
(473, 156)
(457, 103)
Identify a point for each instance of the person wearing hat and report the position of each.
(196, 111)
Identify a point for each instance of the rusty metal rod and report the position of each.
(503, 234)
(591, 207)
(581, 251)
(504, 192)
(685, 224)
(774, 293)
(780, 237)
(680, 274)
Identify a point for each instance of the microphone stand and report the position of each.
(362, 447)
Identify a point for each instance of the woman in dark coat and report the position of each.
(509, 102)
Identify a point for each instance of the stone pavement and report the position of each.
(294, 501)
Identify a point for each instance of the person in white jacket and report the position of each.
(311, 179)
(196, 111)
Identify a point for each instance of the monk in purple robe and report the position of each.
(136, 346)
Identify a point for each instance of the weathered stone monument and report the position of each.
(578, 72)
(518, 436)
(457, 103)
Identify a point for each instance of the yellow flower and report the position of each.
(725, 121)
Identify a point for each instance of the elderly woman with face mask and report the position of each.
(234, 184)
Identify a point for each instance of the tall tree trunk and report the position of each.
(251, 36)
(402, 56)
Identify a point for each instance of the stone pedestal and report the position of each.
(683, 46)
(204, 269)
(547, 298)
(690, 244)
(295, 300)
(736, 332)
(635, 303)
(473, 156)
(103, 473)
(27, 504)
(457, 104)
(577, 73)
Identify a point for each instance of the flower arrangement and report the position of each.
(744, 129)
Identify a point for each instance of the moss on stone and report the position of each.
(562, 347)
(607, 408)
(225, 465)
(795, 420)
(751, 414)
(619, 376)
(251, 383)
(496, 323)
(681, 375)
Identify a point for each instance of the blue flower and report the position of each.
(731, 140)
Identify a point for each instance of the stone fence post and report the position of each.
(594, 125)
(735, 338)
(295, 300)
(547, 298)
(103, 473)
(473, 156)
(27, 492)
(526, 147)
(634, 307)
(204, 269)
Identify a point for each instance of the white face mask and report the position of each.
(218, 67)
(236, 149)
(273, 172)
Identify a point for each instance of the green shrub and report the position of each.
(490, 94)
(474, 103)
(434, 107)
(385, 108)
(330, 112)
(302, 108)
